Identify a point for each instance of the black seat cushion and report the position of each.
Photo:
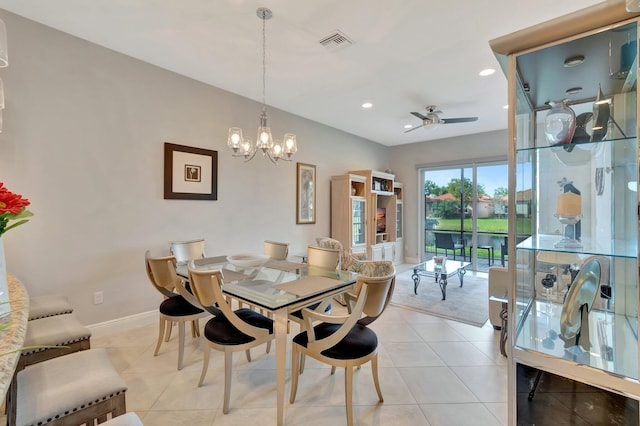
(219, 330)
(298, 314)
(359, 342)
(178, 306)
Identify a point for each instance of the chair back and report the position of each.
(332, 243)
(206, 285)
(185, 251)
(158, 273)
(380, 290)
(444, 240)
(276, 250)
(323, 257)
(162, 274)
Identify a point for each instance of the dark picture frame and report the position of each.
(305, 193)
(190, 173)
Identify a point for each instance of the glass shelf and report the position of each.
(581, 146)
(613, 339)
(598, 247)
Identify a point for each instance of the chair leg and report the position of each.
(205, 364)
(228, 362)
(269, 346)
(181, 333)
(248, 351)
(195, 328)
(160, 335)
(294, 373)
(333, 369)
(302, 360)
(374, 371)
(168, 336)
(348, 393)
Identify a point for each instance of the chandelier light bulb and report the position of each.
(290, 144)
(235, 138)
(246, 147)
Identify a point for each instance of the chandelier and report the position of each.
(274, 150)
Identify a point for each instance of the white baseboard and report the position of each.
(119, 325)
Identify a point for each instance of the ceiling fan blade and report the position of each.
(420, 116)
(458, 120)
(411, 130)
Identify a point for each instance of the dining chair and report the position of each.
(276, 250)
(369, 269)
(345, 340)
(322, 257)
(231, 330)
(185, 251)
(179, 304)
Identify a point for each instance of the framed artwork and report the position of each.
(305, 193)
(190, 173)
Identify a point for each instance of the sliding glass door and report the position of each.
(465, 213)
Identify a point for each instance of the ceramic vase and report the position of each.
(559, 123)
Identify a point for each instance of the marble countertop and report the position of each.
(12, 338)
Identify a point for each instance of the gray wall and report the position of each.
(406, 159)
(83, 138)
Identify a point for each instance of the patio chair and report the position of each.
(445, 242)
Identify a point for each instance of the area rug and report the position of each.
(468, 304)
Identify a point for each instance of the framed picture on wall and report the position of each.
(190, 173)
(305, 193)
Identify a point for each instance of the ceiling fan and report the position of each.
(432, 119)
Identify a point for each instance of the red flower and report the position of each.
(10, 202)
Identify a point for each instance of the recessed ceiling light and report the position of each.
(408, 126)
(573, 61)
(367, 105)
(486, 72)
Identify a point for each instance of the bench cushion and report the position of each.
(57, 387)
(58, 330)
(47, 306)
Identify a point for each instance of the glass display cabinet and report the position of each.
(573, 191)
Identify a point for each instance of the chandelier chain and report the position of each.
(264, 61)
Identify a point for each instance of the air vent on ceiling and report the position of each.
(336, 41)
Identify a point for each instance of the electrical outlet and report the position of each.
(97, 297)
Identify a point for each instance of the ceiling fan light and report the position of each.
(431, 125)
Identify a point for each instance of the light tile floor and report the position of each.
(432, 372)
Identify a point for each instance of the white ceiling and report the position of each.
(406, 53)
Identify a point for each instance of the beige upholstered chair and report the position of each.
(369, 269)
(179, 305)
(69, 390)
(185, 251)
(332, 243)
(345, 340)
(229, 331)
(276, 250)
(323, 257)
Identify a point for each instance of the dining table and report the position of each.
(278, 287)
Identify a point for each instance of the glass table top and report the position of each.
(260, 285)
